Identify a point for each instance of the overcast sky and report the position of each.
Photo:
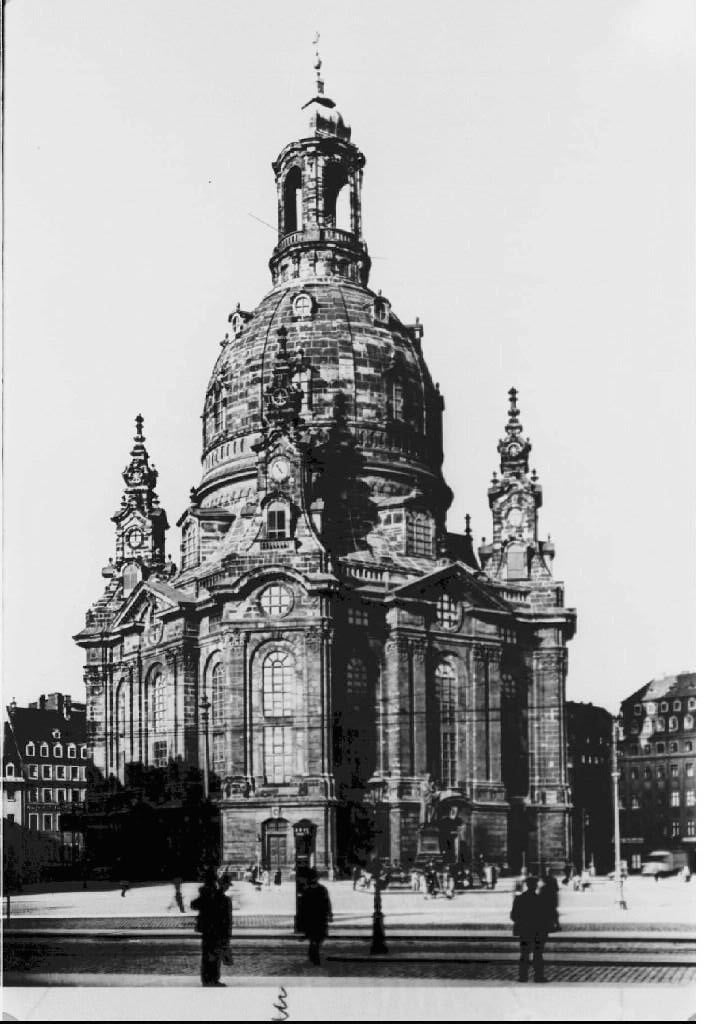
(528, 194)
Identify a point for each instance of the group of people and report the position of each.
(262, 878)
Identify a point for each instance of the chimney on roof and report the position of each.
(68, 705)
(41, 702)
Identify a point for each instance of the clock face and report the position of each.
(135, 537)
(280, 398)
(279, 470)
(513, 449)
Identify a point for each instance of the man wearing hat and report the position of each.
(314, 913)
(532, 920)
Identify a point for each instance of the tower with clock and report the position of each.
(330, 658)
(140, 522)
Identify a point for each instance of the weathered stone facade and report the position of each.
(331, 651)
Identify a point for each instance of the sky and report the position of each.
(529, 194)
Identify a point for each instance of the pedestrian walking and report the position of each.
(124, 886)
(356, 872)
(685, 873)
(211, 922)
(531, 923)
(277, 881)
(314, 914)
(177, 886)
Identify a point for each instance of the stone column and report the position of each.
(419, 649)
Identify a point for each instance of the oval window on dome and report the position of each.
(276, 600)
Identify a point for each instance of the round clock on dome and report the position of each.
(279, 470)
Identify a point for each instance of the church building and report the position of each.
(341, 669)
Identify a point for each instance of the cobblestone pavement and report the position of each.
(26, 962)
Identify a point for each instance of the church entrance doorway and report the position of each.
(276, 844)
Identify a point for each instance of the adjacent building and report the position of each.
(45, 778)
(658, 769)
(342, 668)
(589, 732)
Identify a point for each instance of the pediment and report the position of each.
(144, 604)
(457, 582)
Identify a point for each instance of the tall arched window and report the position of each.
(217, 695)
(356, 680)
(278, 686)
(446, 694)
(292, 201)
(157, 703)
(337, 198)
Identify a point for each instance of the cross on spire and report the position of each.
(318, 65)
(139, 420)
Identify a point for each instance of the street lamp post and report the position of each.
(205, 709)
(378, 944)
(616, 809)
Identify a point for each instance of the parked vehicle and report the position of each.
(661, 863)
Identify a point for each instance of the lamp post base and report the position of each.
(378, 946)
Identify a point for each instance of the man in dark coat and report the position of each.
(212, 925)
(314, 914)
(531, 917)
(551, 892)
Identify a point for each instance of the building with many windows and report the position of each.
(328, 653)
(45, 772)
(657, 769)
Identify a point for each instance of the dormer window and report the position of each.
(30, 749)
(516, 562)
(277, 521)
(72, 750)
(10, 770)
(58, 750)
(381, 310)
(44, 750)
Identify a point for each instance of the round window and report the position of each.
(302, 305)
(276, 600)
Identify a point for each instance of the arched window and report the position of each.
(277, 521)
(217, 696)
(660, 725)
(337, 198)
(58, 750)
(446, 694)
(689, 722)
(356, 678)
(72, 750)
(516, 562)
(10, 770)
(292, 201)
(672, 723)
(44, 750)
(30, 750)
(278, 684)
(157, 697)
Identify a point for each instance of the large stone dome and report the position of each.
(352, 357)
(353, 346)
